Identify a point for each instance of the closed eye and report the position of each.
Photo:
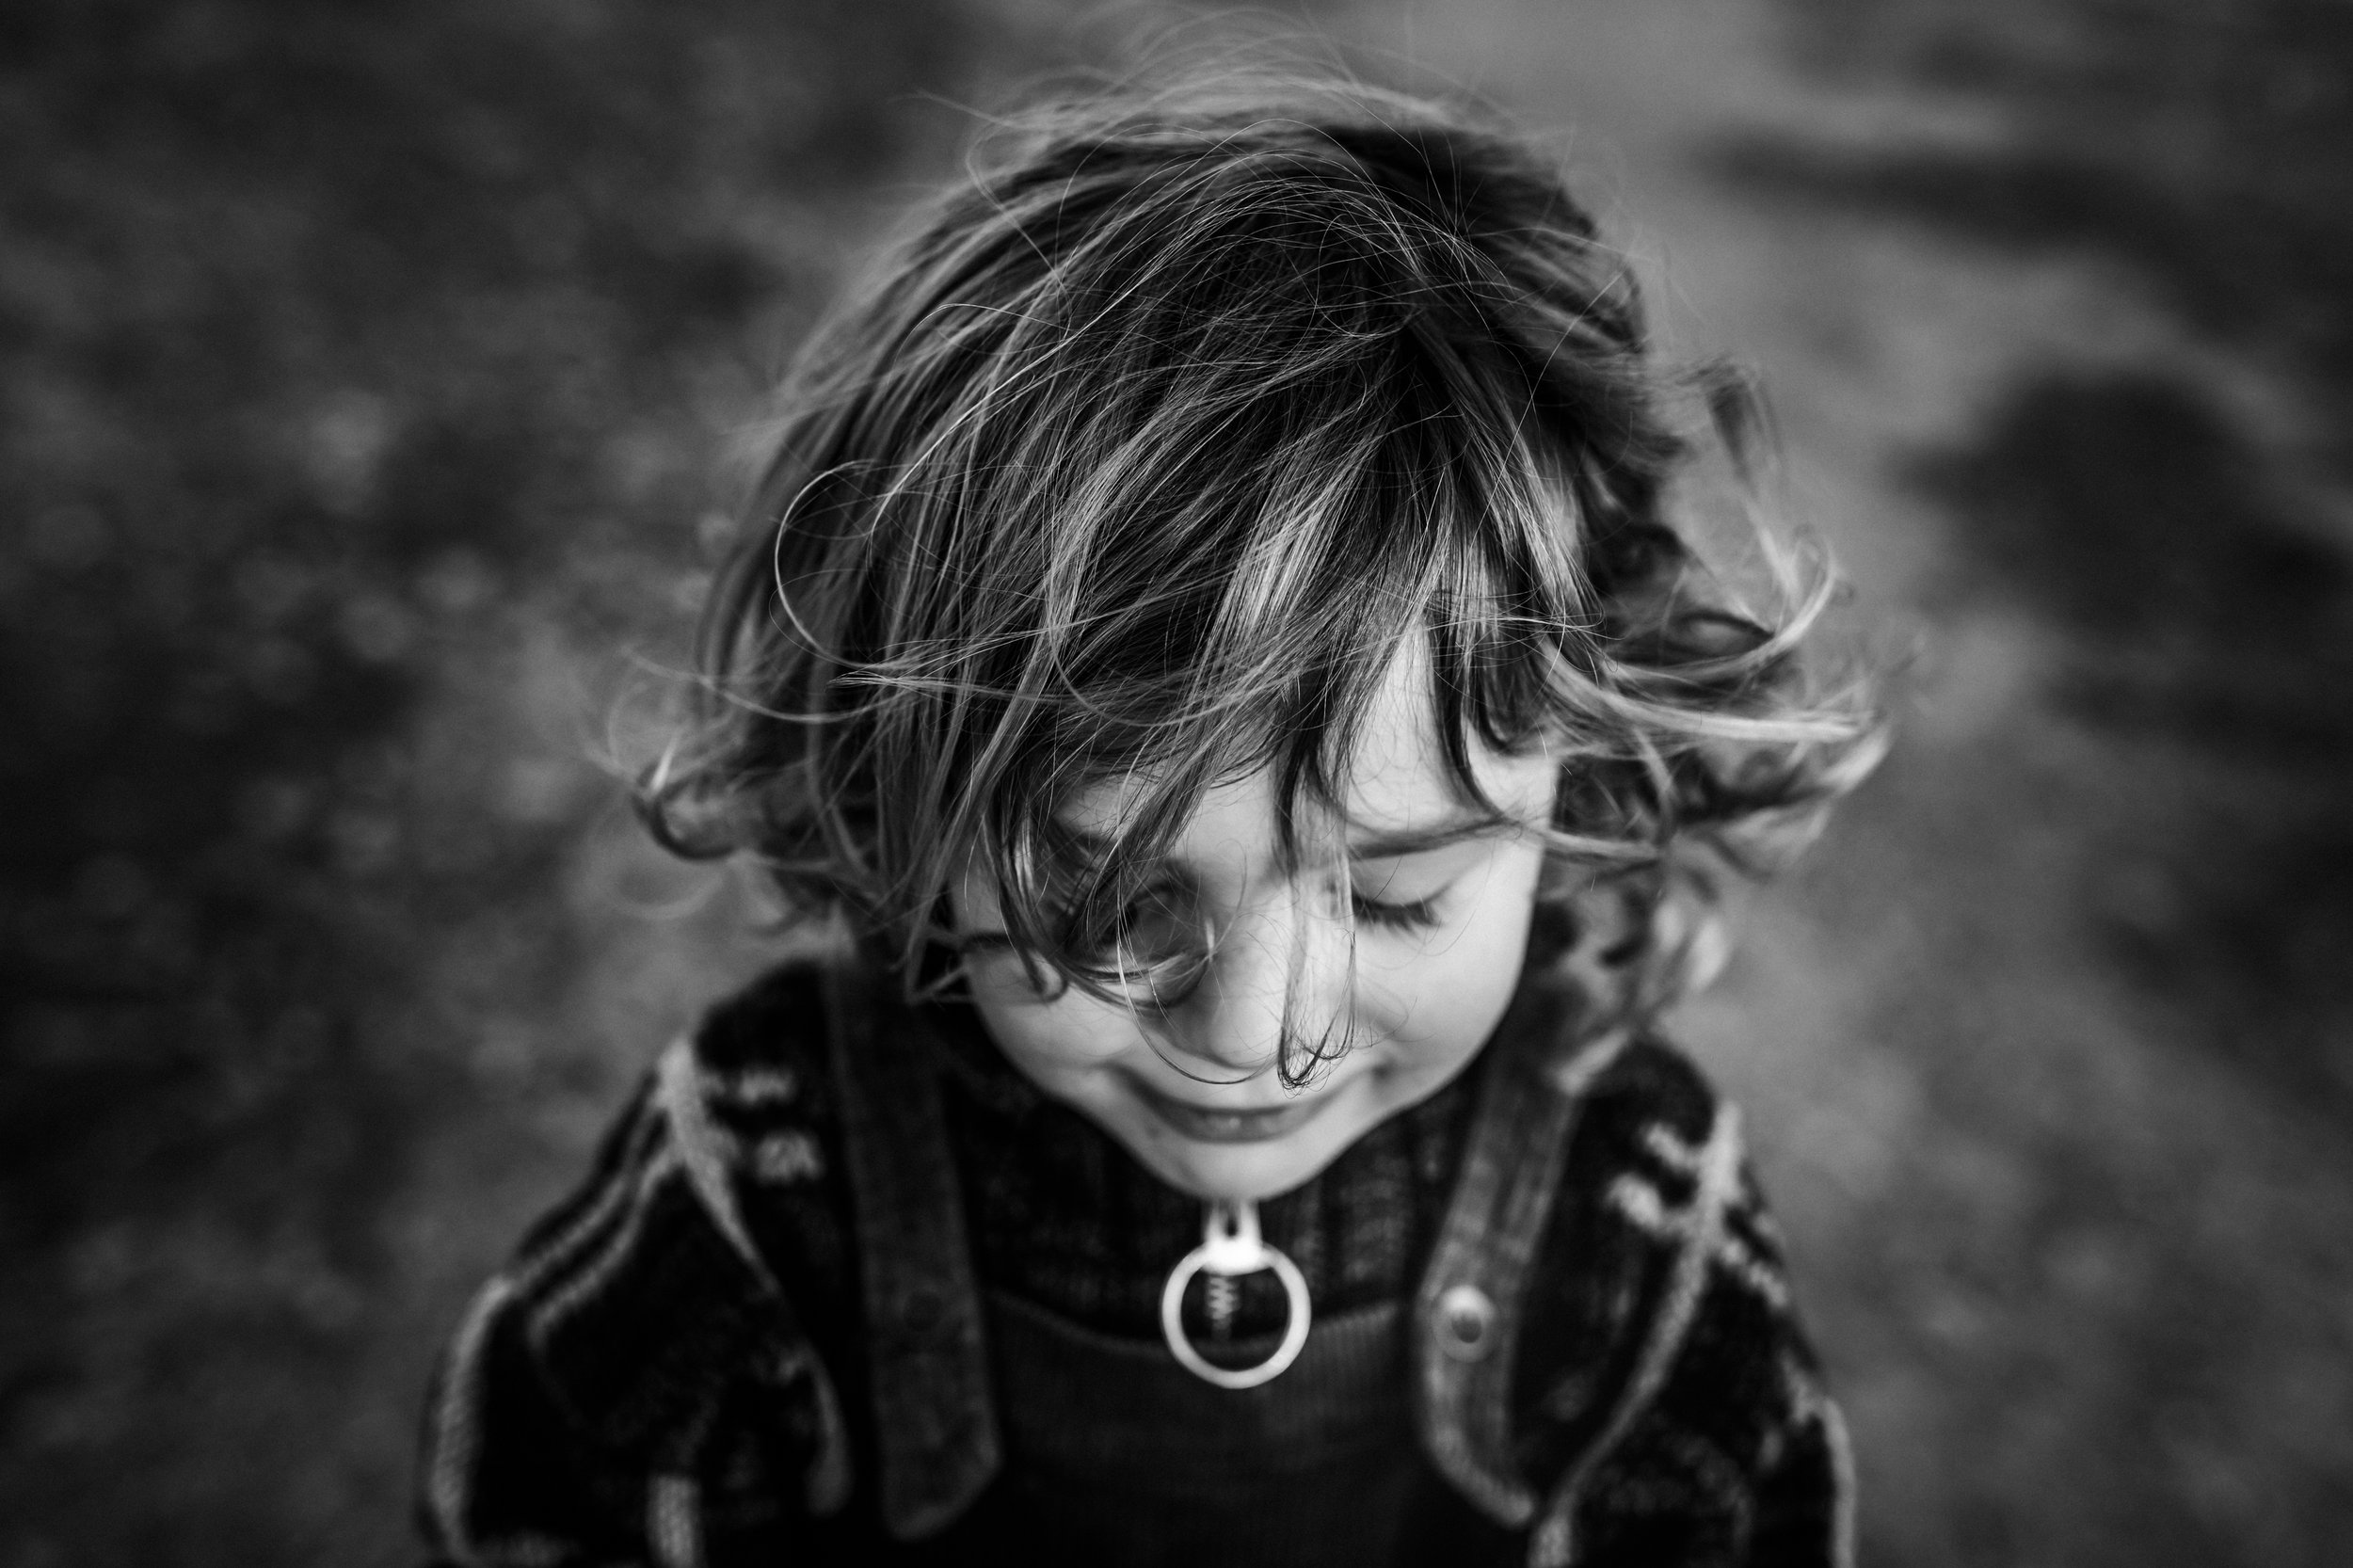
(1420, 915)
(1447, 867)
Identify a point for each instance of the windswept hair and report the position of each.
(1139, 461)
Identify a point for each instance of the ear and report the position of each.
(1608, 923)
(1635, 941)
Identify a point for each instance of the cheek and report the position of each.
(1047, 1040)
(1449, 995)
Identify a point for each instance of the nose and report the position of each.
(1277, 963)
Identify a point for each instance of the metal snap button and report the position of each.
(1465, 1322)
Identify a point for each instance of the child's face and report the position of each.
(1439, 929)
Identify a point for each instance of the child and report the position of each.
(1212, 637)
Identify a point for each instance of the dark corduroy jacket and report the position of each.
(675, 1370)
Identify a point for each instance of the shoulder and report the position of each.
(756, 1080)
(678, 1205)
(1653, 1164)
(658, 1318)
(1668, 1385)
(1658, 1157)
(1659, 1165)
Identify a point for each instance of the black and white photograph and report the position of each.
(1439, 783)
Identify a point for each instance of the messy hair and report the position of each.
(1140, 458)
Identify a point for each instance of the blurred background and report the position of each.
(376, 376)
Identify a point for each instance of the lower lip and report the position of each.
(1233, 1126)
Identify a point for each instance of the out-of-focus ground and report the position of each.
(366, 373)
(2048, 1052)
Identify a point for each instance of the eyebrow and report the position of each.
(1416, 840)
(1393, 844)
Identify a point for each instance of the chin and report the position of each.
(1235, 1172)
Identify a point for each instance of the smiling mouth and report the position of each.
(1206, 1125)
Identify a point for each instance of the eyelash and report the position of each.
(1420, 915)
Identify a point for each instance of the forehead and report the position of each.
(1398, 782)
